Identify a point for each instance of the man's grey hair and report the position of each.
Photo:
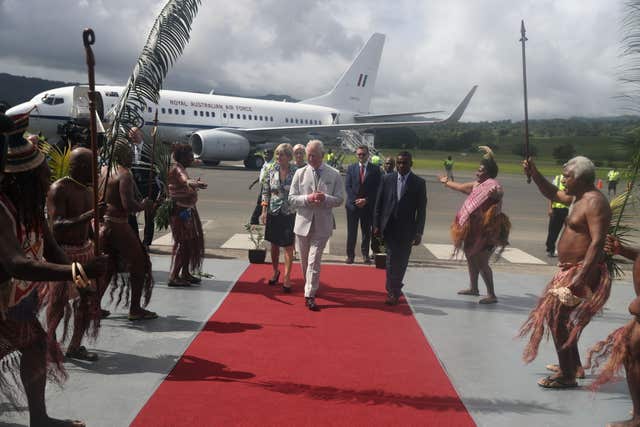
(316, 143)
(582, 169)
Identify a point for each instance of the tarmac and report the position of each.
(475, 344)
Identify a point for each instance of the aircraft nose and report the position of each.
(20, 109)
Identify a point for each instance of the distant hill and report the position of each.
(17, 89)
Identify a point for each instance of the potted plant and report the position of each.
(258, 254)
(380, 258)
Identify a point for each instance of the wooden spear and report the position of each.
(523, 39)
(89, 38)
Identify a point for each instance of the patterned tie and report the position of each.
(401, 187)
(316, 179)
(361, 174)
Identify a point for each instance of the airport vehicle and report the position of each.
(233, 128)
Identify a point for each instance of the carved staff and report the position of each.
(89, 38)
(523, 39)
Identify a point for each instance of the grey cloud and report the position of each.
(435, 51)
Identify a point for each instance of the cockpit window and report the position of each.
(51, 99)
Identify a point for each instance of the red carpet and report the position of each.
(263, 359)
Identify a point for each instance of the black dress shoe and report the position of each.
(392, 300)
(349, 260)
(275, 278)
(311, 304)
(286, 289)
(366, 260)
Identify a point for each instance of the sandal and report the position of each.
(275, 278)
(191, 279)
(144, 315)
(178, 283)
(553, 367)
(469, 292)
(557, 383)
(81, 353)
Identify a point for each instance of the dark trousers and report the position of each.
(556, 221)
(149, 226)
(398, 253)
(364, 217)
(257, 210)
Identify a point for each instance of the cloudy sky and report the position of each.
(434, 52)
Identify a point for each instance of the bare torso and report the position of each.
(576, 236)
(119, 196)
(69, 199)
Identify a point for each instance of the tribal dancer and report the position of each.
(582, 286)
(186, 228)
(70, 210)
(622, 347)
(26, 242)
(480, 226)
(124, 248)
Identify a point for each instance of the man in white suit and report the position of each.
(316, 189)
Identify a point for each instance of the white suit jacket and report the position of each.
(329, 182)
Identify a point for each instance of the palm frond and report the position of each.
(58, 159)
(165, 43)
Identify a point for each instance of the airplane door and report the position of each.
(80, 104)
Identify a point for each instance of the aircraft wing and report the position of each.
(368, 118)
(256, 134)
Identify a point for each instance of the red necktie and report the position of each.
(361, 174)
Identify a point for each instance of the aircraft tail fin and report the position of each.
(355, 88)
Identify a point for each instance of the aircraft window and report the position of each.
(286, 120)
(296, 121)
(195, 112)
(231, 115)
(206, 113)
(47, 100)
(162, 110)
(57, 101)
(271, 118)
(249, 116)
(224, 115)
(255, 117)
(260, 118)
(170, 110)
(150, 109)
(201, 113)
(213, 114)
(182, 112)
(244, 117)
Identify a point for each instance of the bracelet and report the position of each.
(81, 280)
(85, 278)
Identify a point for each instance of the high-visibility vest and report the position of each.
(557, 181)
(448, 164)
(613, 175)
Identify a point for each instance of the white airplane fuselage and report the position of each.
(233, 128)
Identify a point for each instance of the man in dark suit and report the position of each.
(399, 216)
(361, 184)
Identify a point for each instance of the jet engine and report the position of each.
(215, 145)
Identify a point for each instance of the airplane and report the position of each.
(230, 128)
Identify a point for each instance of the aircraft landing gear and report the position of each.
(253, 162)
(212, 162)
